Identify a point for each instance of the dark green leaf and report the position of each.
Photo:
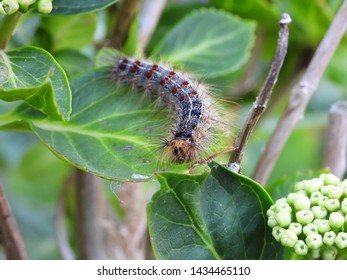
(73, 62)
(205, 49)
(32, 75)
(68, 7)
(217, 215)
(70, 32)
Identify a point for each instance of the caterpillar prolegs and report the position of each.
(193, 114)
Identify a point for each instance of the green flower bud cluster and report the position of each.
(9, 7)
(313, 219)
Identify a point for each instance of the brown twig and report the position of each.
(262, 99)
(11, 238)
(62, 237)
(335, 150)
(126, 12)
(150, 13)
(301, 95)
(90, 212)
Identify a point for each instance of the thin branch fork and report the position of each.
(301, 95)
(9, 234)
(262, 99)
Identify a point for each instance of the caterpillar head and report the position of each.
(182, 150)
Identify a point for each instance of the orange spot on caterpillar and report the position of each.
(155, 66)
(171, 74)
(138, 62)
(194, 92)
(174, 90)
(182, 150)
(185, 83)
(182, 97)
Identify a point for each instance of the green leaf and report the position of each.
(261, 10)
(170, 16)
(73, 62)
(217, 215)
(70, 32)
(32, 75)
(311, 19)
(209, 43)
(69, 7)
(132, 46)
(113, 133)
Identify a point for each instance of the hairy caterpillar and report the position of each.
(194, 116)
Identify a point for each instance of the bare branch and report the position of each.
(90, 210)
(62, 236)
(10, 235)
(301, 95)
(150, 13)
(126, 12)
(335, 150)
(262, 99)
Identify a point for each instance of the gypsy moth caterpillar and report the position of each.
(194, 116)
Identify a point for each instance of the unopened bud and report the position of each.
(10, 6)
(322, 225)
(331, 179)
(314, 241)
(335, 192)
(329, 253)
(295, 227)
(336, 220)
(341, 240)
(291, 197)
(344, 206)
(289, 238)
(310, 228)
(300, 248)
(44, 6)
(304, 217)
(313, 185)
(315, 196)
(329, 238)
(277, 233)
(283, 206)
(283, 218)
(332, 204)
(319, 212)
(302, 203)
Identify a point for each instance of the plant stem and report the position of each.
(262, 99)
(60, 230)
(126, 12)
(7, 27)
(301, 95)
(90, 213)
(9, 233)
(335, 150)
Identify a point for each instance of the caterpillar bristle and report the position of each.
(194, 117)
